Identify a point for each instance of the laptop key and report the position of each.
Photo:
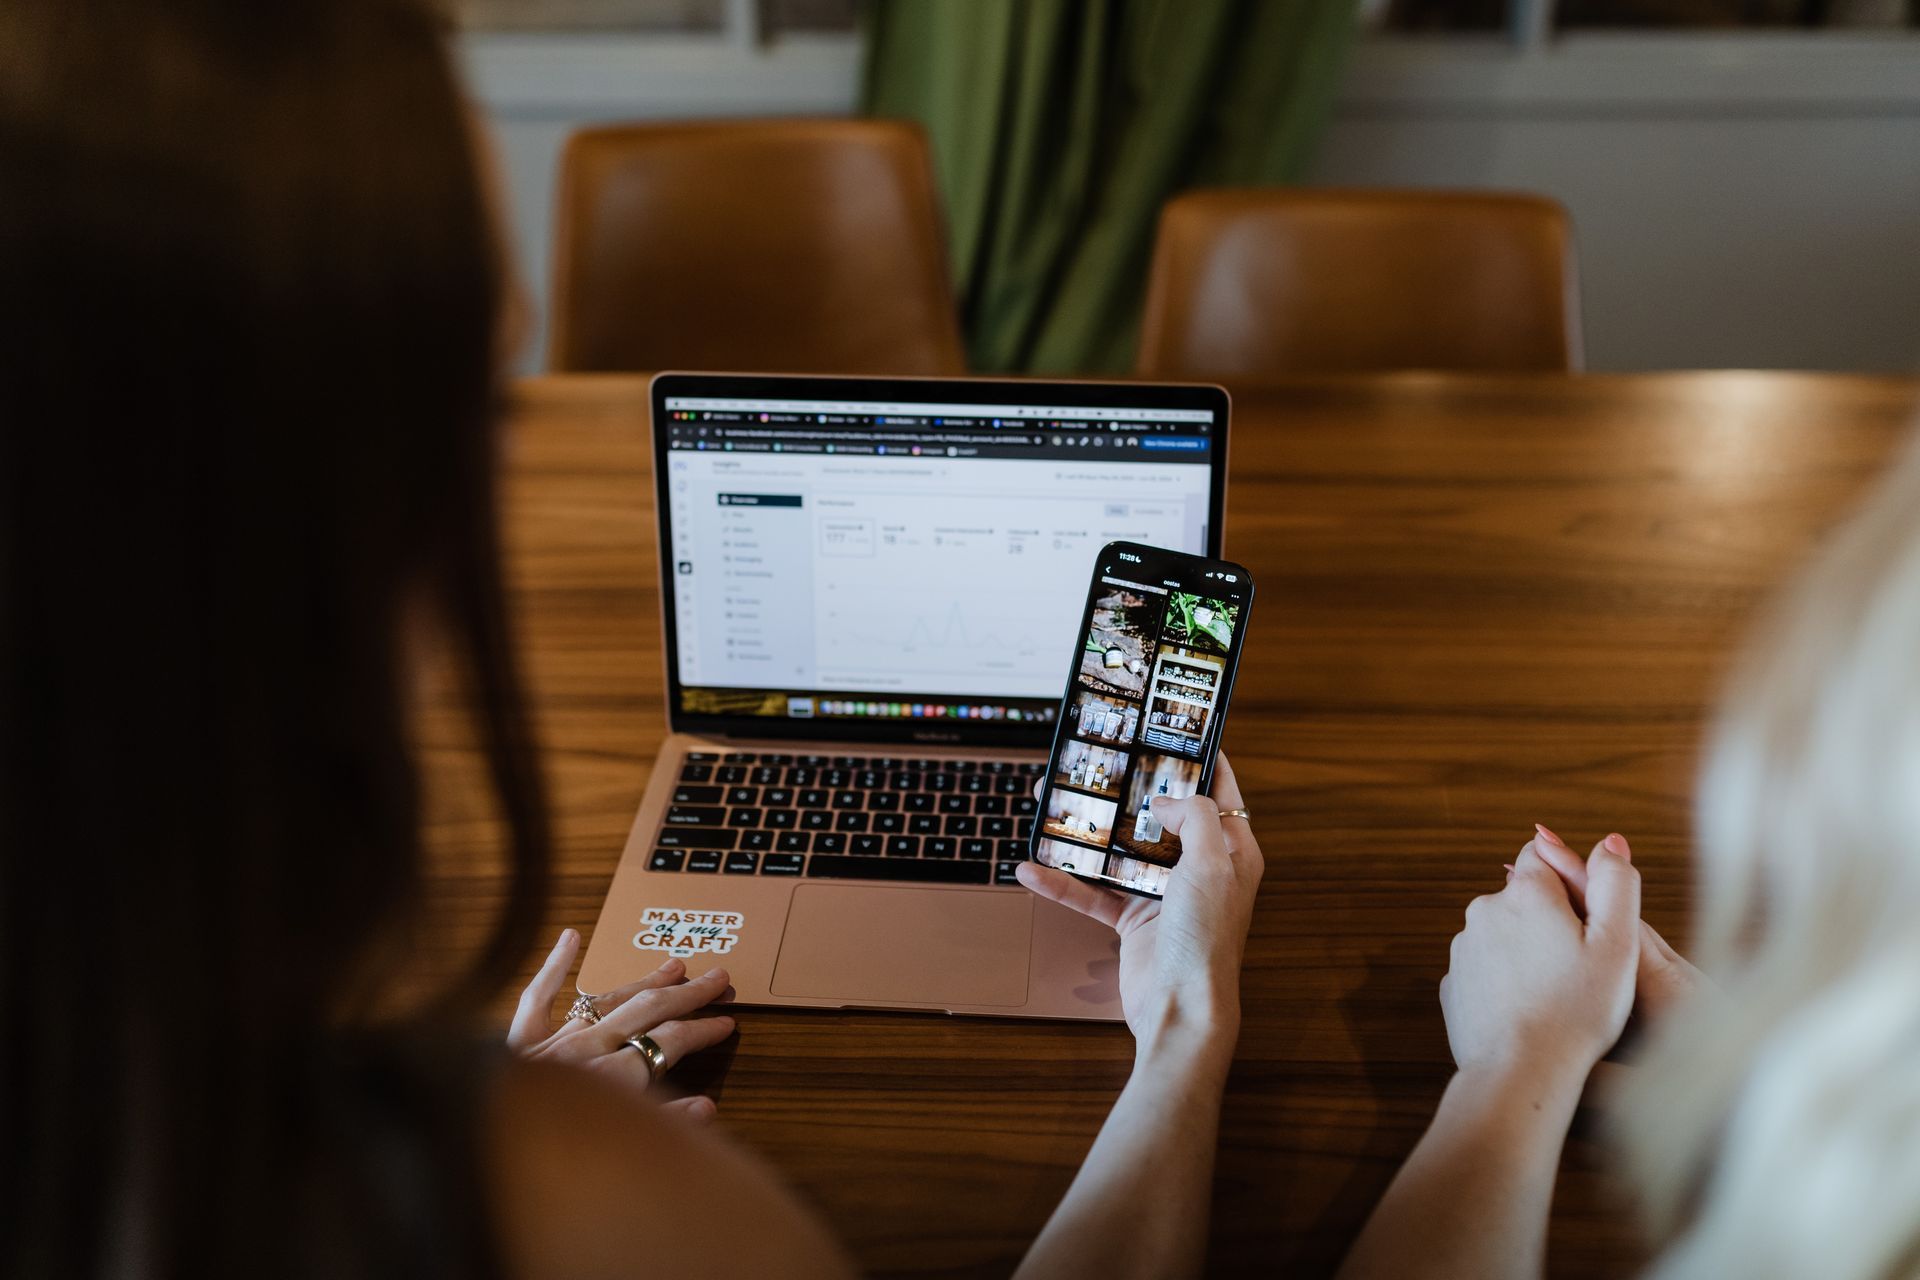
(738, 757)
(992, 828)
(835, 777)
(696, 838)
(846, 799)
(868, 779)
(976, 783)
(996, 766)
(730, 773)
(885, 762)
(695, 772)
(695, 816)
(775, 757)
(1023, 827)
(850, 762)
(782, 819)
(1026, 806)
(830, 842)
(1014, 849)
(667, 860)
(923, 824)
(834, 867)
(1003, 873)
(976, 848)
(1032, 769)
(812, 798)
(782, 864)
(871, 846)
(938, 847)
(903, 781)
(903, 846)
(704, 860)
(961, 824)
(697, 795)
(989, 804)
(702, 757)
(765, 776)
(744, 818)
(955, 804)
(743, 795)
(815, 762)
(800, 776)
(1011, 784)
(741, 864)
(889, 823)
(759, 841)
(918, 802)
(782, 796)
(888, 800)
(793, 842)
(816, 820)
(962, 766)
(850, 820)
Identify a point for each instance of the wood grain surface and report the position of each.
(1484, 602)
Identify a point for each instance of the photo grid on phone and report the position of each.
(1145, 691)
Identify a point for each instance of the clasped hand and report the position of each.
(1547, 971)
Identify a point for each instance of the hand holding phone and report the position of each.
(1147, 691)
(1180, 956)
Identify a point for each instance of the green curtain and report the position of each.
(1059, 127)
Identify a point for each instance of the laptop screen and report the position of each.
(908, 556)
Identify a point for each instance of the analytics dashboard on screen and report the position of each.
(919, 549)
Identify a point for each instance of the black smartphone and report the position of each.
(1146, 701)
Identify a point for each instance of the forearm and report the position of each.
(1472, 1200)
(1140, 1203)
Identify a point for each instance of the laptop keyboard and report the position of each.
(749, 813)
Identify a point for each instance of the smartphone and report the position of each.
(1146, 701)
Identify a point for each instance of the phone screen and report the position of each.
(1146, 701)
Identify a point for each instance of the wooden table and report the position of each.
(1484, 602)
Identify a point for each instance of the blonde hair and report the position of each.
(1775, 1124)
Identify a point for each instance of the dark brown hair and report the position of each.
(248, 295)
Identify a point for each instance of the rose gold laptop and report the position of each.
(868, 588)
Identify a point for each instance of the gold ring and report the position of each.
(582, 1008)
(653, 1054)
(1237, 813)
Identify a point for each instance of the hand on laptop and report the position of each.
(658, 1006)
(1180, 957)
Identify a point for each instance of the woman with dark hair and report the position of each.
(249, 324)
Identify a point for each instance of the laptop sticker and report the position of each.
(685, 933)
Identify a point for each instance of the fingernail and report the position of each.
(1546, 833)
(1617, 843)
(1508, 866)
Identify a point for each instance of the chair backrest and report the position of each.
(790, 246)
(1256, 281)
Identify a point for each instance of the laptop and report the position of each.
(869, 589)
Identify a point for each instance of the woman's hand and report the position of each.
(1666, 977)
(1180, 957)
(1534, 988)
(658, 1005)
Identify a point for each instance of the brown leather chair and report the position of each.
(1264, 281)
(794, 246)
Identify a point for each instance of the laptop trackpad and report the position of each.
(882, 943)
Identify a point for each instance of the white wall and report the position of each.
(1738, 201)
